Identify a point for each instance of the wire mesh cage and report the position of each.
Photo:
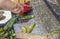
(46, 17)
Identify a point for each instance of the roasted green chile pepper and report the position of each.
(10, 23)
(24, 29)
(27, 17)
(31, 27)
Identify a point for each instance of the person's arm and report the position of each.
(11, 6)
(1, 3)
(7, 4)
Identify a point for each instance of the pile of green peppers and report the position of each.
(4, 33)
